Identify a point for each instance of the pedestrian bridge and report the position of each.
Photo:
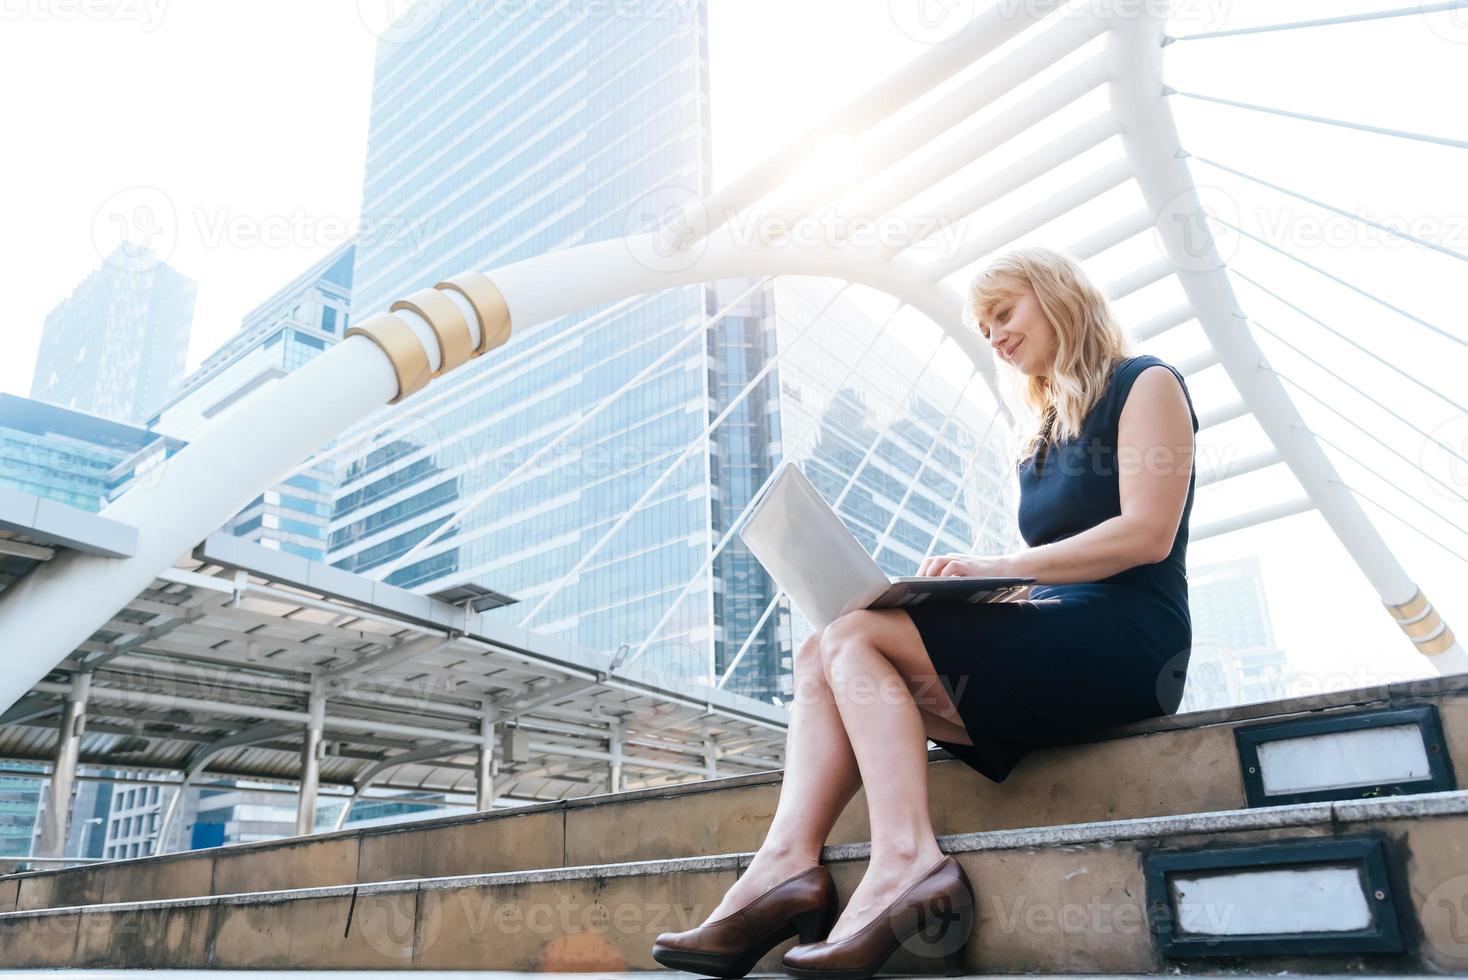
(88, 627)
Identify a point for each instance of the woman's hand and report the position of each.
(992, 566)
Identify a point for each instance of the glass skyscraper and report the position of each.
(73, 457)
(292, 327)
(1234, 659)
(496, 136)
(117, 345)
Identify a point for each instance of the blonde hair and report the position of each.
(1089, 341)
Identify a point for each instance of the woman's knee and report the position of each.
(808, 654)
(853, 627)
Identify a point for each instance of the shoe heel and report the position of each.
(954, 929)
(952, 959)
(813, 925)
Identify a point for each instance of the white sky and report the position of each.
(244, 126)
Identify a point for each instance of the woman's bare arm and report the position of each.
(1154, 459)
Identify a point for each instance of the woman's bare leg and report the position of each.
(820, 779)
(821, 775)
(872, 660)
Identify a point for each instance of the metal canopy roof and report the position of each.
(212, 666)
(33, 529)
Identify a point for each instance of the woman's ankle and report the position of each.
(783, 853)
(914, 857)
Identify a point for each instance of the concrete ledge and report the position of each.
(1452, 803)
(1159, 771)
(1029, 890)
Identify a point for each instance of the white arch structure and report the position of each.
(391, 355)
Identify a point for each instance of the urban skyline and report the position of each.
(737, 606)
(116, 345)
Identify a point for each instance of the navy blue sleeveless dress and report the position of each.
(1077, 657)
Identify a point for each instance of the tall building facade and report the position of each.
(583, 150)
(134, 816)
(286, 331)
(499, 136)
(117, 345)
(20, 801)
(244, 811)
(911, 456)
(73, 457)
(1234, 659)
(83, 461)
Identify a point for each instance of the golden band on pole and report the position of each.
(1422, 624)
(489, 305)
(1423, 627)
(1411, 609)
(1438, 644)
(403, 349)
(450, 329)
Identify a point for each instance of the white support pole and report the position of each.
(484, 761)
(434, 750)
(1164, 321)
(617, 732)
(710, 756)
(311, 749)
(50, 612)
(986, 31)
(171, 813)
(1057, 202)
(1238, 466)
(198, 760)
(1150, 138)
(1253, 518)
(63, 768)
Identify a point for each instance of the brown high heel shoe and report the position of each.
(729, 946)
(933, 917)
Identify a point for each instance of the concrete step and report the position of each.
(1181, 764)
(1374, 886)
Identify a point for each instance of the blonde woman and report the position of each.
(1106, 487)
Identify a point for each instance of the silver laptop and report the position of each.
(824, 569)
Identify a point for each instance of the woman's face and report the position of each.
(1020, 334)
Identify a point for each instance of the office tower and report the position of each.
(583, 151)
(746, 637)
(244, 811)
(116, 346)
(70, 456)
(135, 816)
(290, 328)
(481, 160)
(1234, 658)
(20, 802)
